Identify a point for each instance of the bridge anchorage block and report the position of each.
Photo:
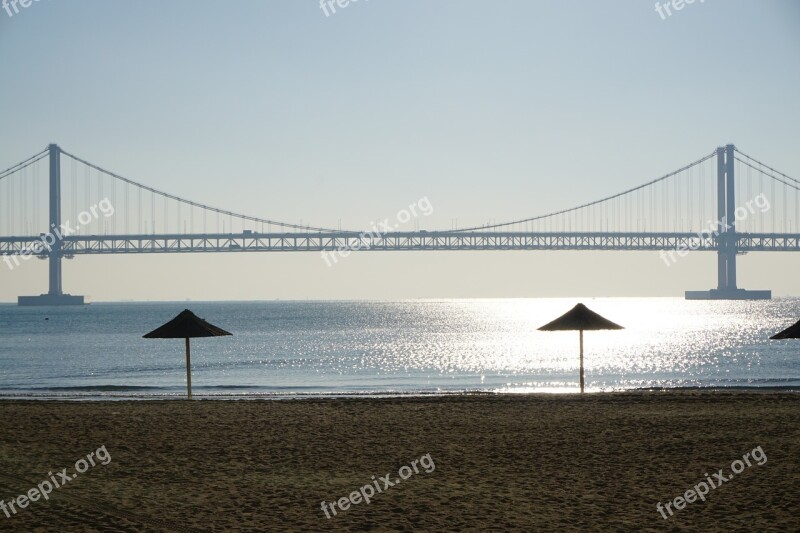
(729, 294)
(52, 299)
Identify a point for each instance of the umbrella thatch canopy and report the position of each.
(580, 318)
(185, 326)
(792, 332)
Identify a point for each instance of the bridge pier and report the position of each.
(55, 296)
(726, 237)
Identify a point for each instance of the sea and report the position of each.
(295, 349)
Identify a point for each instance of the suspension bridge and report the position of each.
(56, 206)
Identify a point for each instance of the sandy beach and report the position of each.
(471, 463)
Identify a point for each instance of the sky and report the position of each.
(490, 110)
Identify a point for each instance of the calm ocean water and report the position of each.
(284, 349)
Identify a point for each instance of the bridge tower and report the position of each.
(55, 296)
(727, 242)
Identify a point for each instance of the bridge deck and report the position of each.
(398, 241)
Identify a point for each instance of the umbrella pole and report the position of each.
(581, 337)
(189, 369)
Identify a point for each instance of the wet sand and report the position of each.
(528, 463)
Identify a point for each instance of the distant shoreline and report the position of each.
(355, 396)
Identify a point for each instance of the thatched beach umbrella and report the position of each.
(185, 326)
(792, 332)
(580, 318)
